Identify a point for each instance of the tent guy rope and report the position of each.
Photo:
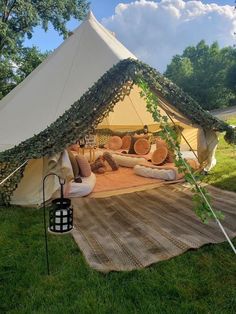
(201, 192)
(11, 174)
(210, 207)
(204, 197)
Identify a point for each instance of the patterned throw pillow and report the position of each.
(84, 166)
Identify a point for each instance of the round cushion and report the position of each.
(126, 141)
(114, 143)
(142, 146)
(159, 155)
(82, 189)
(160, 142)
(84, 166)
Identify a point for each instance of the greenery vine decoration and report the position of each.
(88, 111)
(169, 134)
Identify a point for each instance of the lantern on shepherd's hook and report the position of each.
(60, 214)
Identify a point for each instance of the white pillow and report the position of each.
(128, 161)
(162, 174)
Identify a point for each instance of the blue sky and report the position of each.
(101, 8)
(50, 40)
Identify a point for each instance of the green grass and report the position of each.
(201, 281)
(223, 175)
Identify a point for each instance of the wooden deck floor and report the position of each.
(132, 231)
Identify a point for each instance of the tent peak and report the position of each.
(90, 16)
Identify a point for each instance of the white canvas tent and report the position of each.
(61, 80)
(58, 82)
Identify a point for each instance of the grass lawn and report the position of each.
(201, 281)
(223, 175)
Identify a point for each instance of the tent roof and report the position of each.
(95, 104)
(58, 82)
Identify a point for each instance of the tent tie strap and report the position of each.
(11, 174)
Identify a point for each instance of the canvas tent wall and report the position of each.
(73, 93)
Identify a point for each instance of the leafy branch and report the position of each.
(201, 197)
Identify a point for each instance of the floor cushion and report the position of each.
(111, 161)
(134, 139)
(159, 155)
(82, 189)
(74, 164)
(114, 143)
(160, 142)
(170, 156)
(142, 146)
(126, 140)
(163, 174)
(84, 166)
(128, 161)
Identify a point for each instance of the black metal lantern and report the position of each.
(60, 215)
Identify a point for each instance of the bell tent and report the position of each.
(88, 84)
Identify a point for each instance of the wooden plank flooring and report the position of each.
(132, 231)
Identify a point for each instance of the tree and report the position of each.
(231, 78)
(17, 20)
(201, 71)
(13, 72)
(231, 75)
(19, 17)
(180, 71)
(7, 78)
(28, 60)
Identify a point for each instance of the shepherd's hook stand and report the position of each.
(62, 182)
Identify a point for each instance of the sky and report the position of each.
(169, 26)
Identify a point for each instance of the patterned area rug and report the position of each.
(132, 231)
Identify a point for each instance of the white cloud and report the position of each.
(156, 31)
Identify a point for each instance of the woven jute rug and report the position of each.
(132, 231)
